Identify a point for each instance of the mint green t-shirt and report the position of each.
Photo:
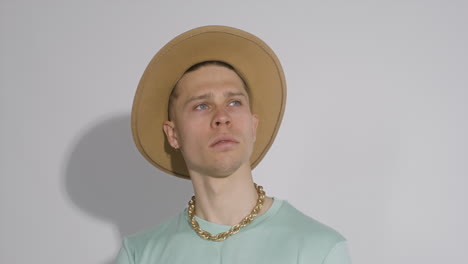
(281, 235)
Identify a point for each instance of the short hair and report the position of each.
(197, 66)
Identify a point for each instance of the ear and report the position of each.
(171, 134)
(254, 125)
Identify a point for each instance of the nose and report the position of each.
(221, 118)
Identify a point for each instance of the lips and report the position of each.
(223, 141)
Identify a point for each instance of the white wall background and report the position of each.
(373, 143)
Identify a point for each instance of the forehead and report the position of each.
(208, 78)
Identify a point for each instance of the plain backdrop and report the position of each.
(373, 142)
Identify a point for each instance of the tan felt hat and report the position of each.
(250, 56)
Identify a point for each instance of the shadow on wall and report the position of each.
(107, 178)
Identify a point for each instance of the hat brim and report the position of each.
(251, 57)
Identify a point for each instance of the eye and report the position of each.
(201, 107)
(235, 103)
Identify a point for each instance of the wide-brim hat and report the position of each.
(254, 61)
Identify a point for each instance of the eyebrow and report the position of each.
(210, 95)
(232, 94)
(198, 97)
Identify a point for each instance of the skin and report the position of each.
(213, 127)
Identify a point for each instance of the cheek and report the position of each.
(190, 131)
(248, 126)
(194, 124)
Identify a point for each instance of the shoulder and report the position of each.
(297, 222)
(141, 247)
(155, 236)
(306, 231)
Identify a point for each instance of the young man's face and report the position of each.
(212, 124)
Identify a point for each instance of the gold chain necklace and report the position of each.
(235, 228)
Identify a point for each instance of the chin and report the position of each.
(219, 165)
(220, 169)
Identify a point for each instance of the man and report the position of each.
(193, 117)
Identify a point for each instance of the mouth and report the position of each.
(223, 142)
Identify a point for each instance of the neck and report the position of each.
(226, 200)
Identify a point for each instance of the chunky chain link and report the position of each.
(235, 228)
